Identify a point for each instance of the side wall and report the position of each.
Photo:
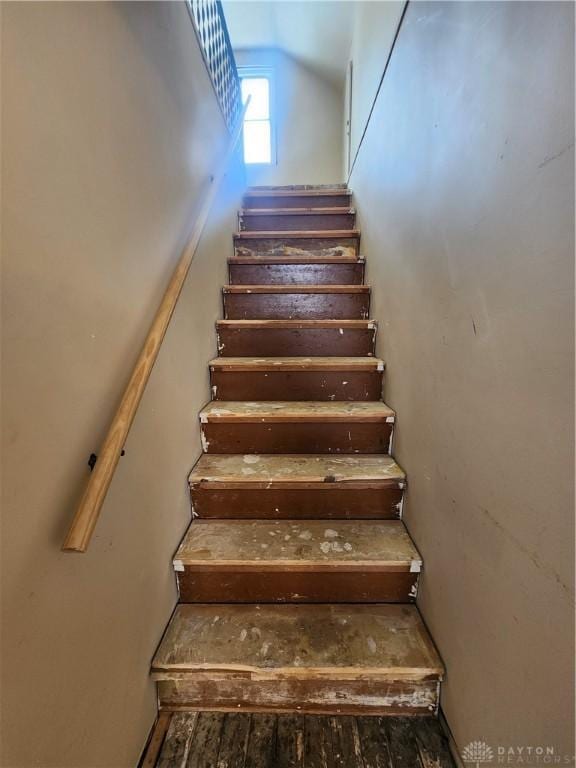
(375, 24)
(110, 131)
(465, 188)
(308, 113)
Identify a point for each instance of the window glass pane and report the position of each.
(259, 89)
(257, 145)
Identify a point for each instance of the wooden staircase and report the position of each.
(297, 577)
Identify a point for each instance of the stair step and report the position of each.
(297, 378)
(287, 270)
(296, 427)
(248, 338)
(297, 486)
(297, 198)
(250, 561)
(298, 244)
(287, 302)
(288, 187)
(289, 219)
(316, 658)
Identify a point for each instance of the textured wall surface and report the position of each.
(110, 132)
(465, 188)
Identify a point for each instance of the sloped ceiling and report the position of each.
(317, 33)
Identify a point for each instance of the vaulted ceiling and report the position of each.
(317, 33)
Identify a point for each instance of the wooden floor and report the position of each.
(237, 740)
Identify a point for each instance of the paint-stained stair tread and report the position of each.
(296, 471)
(310, 210)
(305, 234)
(307, 561)
(297, 324)
(298, 244)
(297, 364)
(294, 288)
(275, 641)
(311, 412)
(297, 259)
(305, 544)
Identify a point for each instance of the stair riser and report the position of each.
(297, 201)
(297, 274)
(309, 342)
(296, 306)
(296, 385)
(296, 587)
(291, 222)
(297, 247)
(335, 696)
(294, 437)
(333, 503)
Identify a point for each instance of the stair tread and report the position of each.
(296, 187)
(303, 234)
(264, 260)
(310, 411)
(370, 324)
(273, 470)
(340, 209)
(295, 192)
(307, 641)
(297, 363)
(295, 288)
(301, 544)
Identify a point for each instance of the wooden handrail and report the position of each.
(88, 510)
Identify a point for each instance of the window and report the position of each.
(258, 133)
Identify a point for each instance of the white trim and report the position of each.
(268, 73)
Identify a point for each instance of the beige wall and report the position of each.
(110, 130)
(464, 184)
(308, 119)
(374, 26)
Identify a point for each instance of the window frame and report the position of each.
(263, 73)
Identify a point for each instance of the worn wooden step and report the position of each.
(297, 486)
(297, 378)
(288, 187)
(323, 243)
(287, 302)
(310, 561)
(297, 198)
(320, 658)
(290, 219)
(290, 270)
(296, 427)
(248, 338)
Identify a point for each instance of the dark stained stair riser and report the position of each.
(267, 342)
(287, 222)
(296, 385)
(329, 503)
(351, 273)
(219, 586)
(286, 306)
(342, 200)
(297, 437)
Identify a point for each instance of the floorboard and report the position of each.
(240, 740)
